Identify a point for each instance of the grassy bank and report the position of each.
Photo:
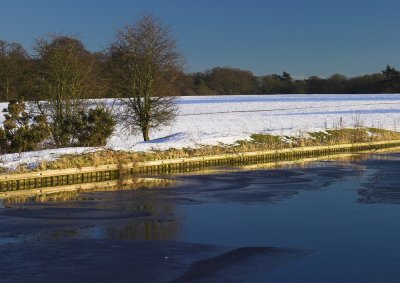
(258, 142)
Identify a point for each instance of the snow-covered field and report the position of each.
(226, 119)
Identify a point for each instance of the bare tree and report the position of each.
(12, 59)
(146, 64)
(66, 77)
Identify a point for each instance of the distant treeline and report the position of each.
(224, 81)
(20, 77)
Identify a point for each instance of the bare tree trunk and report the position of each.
(145, 132)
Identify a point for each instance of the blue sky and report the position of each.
(302, 37)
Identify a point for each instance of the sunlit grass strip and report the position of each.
(258, 142)
(181, 165)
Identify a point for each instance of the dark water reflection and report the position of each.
(310, 224)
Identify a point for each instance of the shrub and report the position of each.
(68, 130)
(97, 127)
(22, 131)
(87, 128)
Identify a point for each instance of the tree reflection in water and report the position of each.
(147, 230)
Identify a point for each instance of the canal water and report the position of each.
(325, 222)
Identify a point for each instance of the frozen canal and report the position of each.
(327, 222)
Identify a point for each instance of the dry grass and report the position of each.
(352, 135)
(257, 142)
(96, 158)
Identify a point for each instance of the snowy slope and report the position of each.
(206, 120)
(226, 119)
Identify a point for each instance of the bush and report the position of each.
(22, 131)
(97, 127)
(67, 131)
(91, 128)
